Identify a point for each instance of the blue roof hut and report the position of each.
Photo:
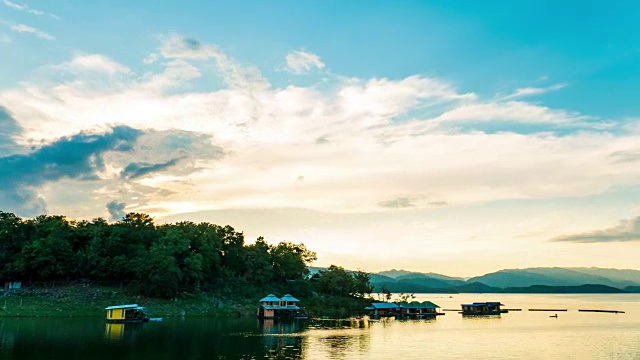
(417, 309)
(272, 306)
(383, 309)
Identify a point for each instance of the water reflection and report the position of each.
(339, 338)
(70, 338)
(337, 346)
(320, 323)
(113, 331)
(121, 332)
(572, 335)
(278, 338)
(271, 326)
(481, 317)
(6, 338)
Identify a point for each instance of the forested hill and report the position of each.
(162, 260)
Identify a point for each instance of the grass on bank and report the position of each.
(90, 301)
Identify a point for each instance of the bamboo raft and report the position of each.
(547, 309)
(603, 311)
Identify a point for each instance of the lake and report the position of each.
(516, 335)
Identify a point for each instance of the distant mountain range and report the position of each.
(531, 280)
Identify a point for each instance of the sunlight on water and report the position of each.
(515, 335)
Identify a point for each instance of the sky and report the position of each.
(453, 137)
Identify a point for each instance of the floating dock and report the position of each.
(556, 310)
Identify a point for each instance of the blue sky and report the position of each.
(487, 47)
(425, 116)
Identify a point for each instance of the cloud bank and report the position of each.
(77, 157)
(218, 134)
(9, 129)
(136, 170)
(626, 231)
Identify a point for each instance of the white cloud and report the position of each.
(21, 28)
(301, 61)
(27, 9)
(531, 91)
(150, 59)
(511, 111)
(95, 62)
(388, 98)
(178, 47)
(235, 75)
(24, 8)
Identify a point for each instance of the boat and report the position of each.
(126, 313)
(482, 308)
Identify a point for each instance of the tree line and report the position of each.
(163, 260)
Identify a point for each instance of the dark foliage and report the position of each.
(165, 260)
(157, 260)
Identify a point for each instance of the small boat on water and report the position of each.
(126, 313)
(483, 308)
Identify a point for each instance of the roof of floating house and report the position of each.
(382, 305)
(278, 307)
(418, 305)
(130, 306)
(493, 303)
(288, 297)
(270, 297)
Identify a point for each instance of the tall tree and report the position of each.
(290, 261)
(14, 234)
(260, 269)
(49, 256)
(362, 284)
(232, 251)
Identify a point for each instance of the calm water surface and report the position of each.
(516, 335)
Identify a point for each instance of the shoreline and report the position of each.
(91, 301)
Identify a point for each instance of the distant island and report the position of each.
(555, 280)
